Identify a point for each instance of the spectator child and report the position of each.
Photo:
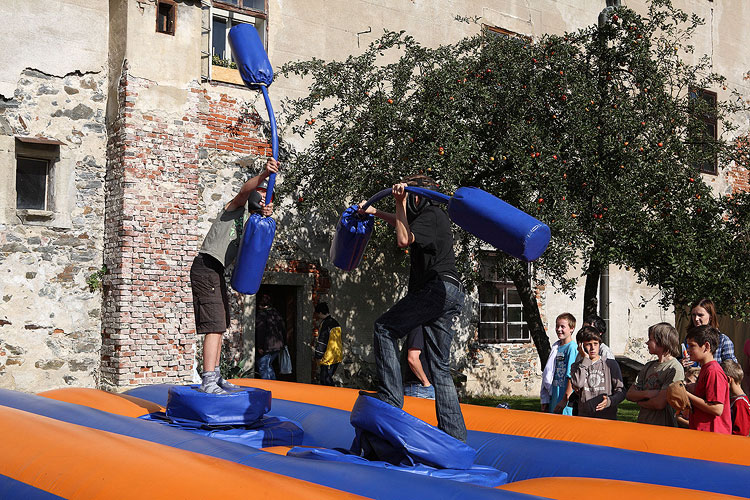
(650, 388)
(598, 380)
(740, 406)
(605, 352)
(329, 348)
(710, 397)
(417, 375)
(691, 377)
(555, 393)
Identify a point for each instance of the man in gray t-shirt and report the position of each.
(219, 249)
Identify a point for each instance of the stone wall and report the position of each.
(49, 314)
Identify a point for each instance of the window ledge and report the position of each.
(226, 75)
(33, 215)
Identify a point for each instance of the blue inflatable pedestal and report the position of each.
(238, 417)
(408, 444)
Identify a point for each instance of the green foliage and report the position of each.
(231, 368)
(596, 133)
(94, 280)
(218, 61)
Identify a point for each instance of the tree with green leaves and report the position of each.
(597, 133)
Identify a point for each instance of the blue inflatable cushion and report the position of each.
(186, 404)
(250, 55)
(420, 441)
(350, 241)
(498, 223)
(252, 255)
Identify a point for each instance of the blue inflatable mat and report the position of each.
(12, 488)
(360, 480)
(186, 404)
(268, 431)
(423, 443)
(481, 475)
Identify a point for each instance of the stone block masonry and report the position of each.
(49, 316)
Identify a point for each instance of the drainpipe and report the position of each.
(604, 300)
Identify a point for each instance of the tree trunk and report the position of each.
(591, 292)
(522, 280)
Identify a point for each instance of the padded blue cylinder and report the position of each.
(189, 405)
(252, 60)
(350, 241)
(423, 442)
(253, 253)
(501, 225)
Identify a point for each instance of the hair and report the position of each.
(265, 300)
(567, 317)
(704, 334)
(693, 372)
(733, 370)
(322, 308)
(587, 334)
(666, 337)
(420, 180)
(597, 322)
(708, 305)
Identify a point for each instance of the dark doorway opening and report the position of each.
(284, 300)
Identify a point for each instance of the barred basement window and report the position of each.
(166, 13)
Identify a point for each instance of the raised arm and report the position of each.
(272, 167)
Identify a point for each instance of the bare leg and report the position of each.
(211, 351)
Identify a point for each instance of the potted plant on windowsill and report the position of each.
(224, 70)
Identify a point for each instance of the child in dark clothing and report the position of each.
(598, 380)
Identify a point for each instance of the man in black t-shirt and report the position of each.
(434, 300)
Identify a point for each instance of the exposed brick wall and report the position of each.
(150, 240)
(166, 181)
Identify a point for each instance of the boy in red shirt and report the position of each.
(710, 396)
(740, 408)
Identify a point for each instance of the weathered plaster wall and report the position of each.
(55, 37)
(49, 317)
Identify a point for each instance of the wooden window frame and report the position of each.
(243, 10)
(503, 285)
(173, 11)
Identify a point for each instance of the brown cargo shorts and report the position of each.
(210, 299)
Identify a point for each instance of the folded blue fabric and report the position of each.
(482, 475)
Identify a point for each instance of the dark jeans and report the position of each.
(264, 365)
(326, 373)
(434, 307)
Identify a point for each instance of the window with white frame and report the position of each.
(501, 316)
(229, 13)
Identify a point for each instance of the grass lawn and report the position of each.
(627, 411)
